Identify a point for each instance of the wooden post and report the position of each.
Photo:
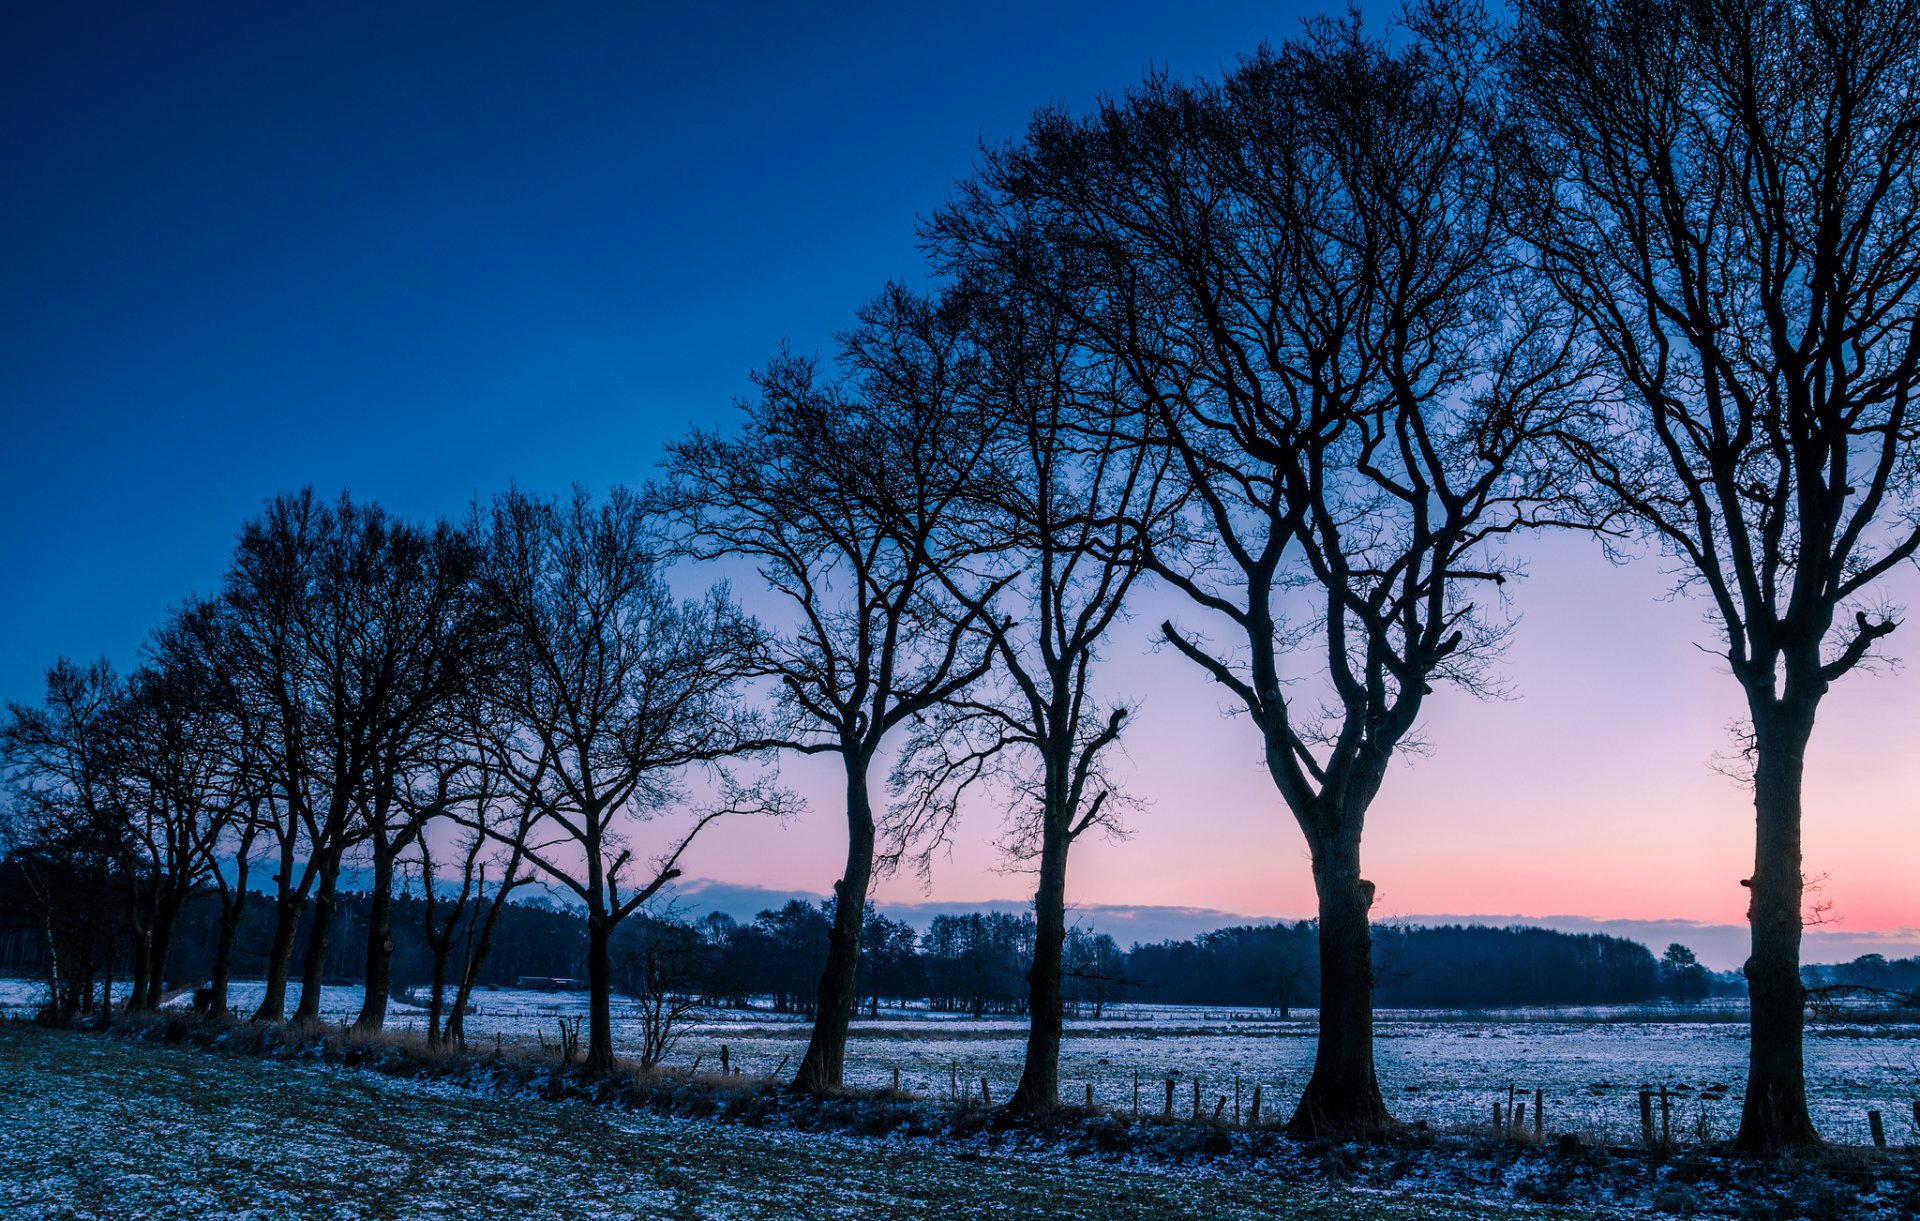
(1236, 1102)
(1253, 1119)
(1539, 1115)
(896, 1078)
(1879, 1130)
(1666, 1119)
(953, 1080)
(726, 1068)
(1646, 1118)
(696, 1067)
(986, 1095)
(1169, 1110)
(1499, 1128)
(1916, 1116)
(1219, 1105)
(1519, 1119)
(1513, 1120)
(1196, 1099)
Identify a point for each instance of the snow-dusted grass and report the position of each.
(99, 1127)
(1444, 1069)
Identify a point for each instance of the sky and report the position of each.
(422, 252)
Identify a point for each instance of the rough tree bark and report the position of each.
(824, 1063)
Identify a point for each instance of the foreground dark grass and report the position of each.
(100, 1127)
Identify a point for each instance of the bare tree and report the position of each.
(464, 920)
(1298, 273)
(1727, 194)
(609, 689)
(1049, 530)
(64, 830)
(662, 964)
(194, 640)
(437, 639)
(168, 734)
(874, 643)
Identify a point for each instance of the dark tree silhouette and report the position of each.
(63, 831)
(874, 642)
(1298, 273)
(608, 689)
(172, 791)
(1047, 534)
(1727, 194)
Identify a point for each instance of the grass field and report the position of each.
(99, 1127)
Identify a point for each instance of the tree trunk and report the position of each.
(313, 969)
(223, 956)
(1342, 1097)
(287, 909)
(599, 1061)
(166, 918)
(378, 977)
(287, 912)
(1774, 1116)
(142, 959)
(1039, 1088)
(434, 1005)
(824, 1065)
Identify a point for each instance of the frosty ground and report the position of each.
(99, 1127)
(1446, 1069)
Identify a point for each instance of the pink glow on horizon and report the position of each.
(1591, 793)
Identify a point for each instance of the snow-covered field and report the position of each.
(1445, 1069)
(97, 1128)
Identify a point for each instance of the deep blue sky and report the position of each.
(425, 252)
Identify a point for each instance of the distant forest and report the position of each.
(977, 963)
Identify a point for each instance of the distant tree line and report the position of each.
(974, 964)
(1306, 346)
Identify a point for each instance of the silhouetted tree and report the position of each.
(1299, 275)
(66, 843)
(173, 791)
(607, 690)
(662, 964)
(326, 609)
(1044, 540)
(874, 642)
(1726, 192)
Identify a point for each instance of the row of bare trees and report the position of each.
(1309, 346)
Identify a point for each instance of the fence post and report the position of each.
(726, 1069)
(1089, 1095)
(986, 1095)
(1499, 1125)
(1879, 1131)
(1253, 1120)
(1539, 1115)
(1646, 1118)
(1236, 1102)
(1169, 1112)
(1196, 1099)
(1666, 1119)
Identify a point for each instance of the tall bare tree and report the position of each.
(608, 689)
(1298, 273)
(1727, 192)
(1049, 531)
(874, 641)
(343, 646)
(171, 787)
(63, 827)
